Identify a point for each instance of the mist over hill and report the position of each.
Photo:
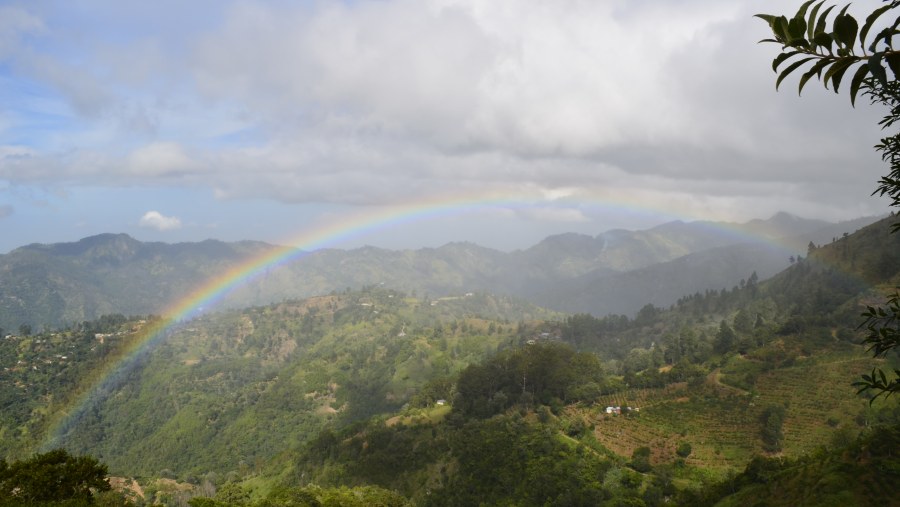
(616, 271)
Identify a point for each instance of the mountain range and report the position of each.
(618, 271)
(727, 397)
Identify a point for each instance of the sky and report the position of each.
(181, 121)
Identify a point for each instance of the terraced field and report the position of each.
(815, 392)
(714, 421)
(722, 423)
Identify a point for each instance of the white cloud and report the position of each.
(158, 221)
(373, 102)
(366, 101)
(530, 78)
(6, 210)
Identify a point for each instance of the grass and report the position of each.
(431, 415)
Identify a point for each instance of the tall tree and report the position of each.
(772, 423)
(55, 476)
(725, 338)
(827, 51)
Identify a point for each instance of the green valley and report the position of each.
(474, 397)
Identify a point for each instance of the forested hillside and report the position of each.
(743, 392)
(231, 389)
(468, 398)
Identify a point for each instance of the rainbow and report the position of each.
(329, 233)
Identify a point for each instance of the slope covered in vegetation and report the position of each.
(477, 397)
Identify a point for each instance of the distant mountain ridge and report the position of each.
(614, 272)
(724, 266)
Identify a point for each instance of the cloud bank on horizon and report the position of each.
(325, 105)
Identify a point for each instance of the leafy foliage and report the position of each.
(806, 40)
(54, 476)
(504, 460)
(44, 372)
(883, 325)
(542, 373)
(772, 427)
(684, 449)
(640, 460)
(308, 496)
(230, 391)
(887, 94)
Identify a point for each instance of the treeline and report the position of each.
(232, 495)
(538, 374)
(56, 478)
(507, 459)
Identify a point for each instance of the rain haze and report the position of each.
(180, 121)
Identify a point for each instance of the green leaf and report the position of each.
(839, 75)
(797, 28)
(811, 24)
(768, 18)
(814, 70)
(857, 80)
(782, 57)
(781, 27)
(791, 68)
(894, 31)
(893, 61)
(801, 12)
(884, 35)
(773, 25)
(836, 72)
(845, 29)
(843, 11)
(877, 69)
(823, 39)
(870, 20)
(822, 24)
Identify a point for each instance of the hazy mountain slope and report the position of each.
(53, 285)
(572, 255)
(871, 254)
(662, 284)
(603, 293)
(799, 242)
